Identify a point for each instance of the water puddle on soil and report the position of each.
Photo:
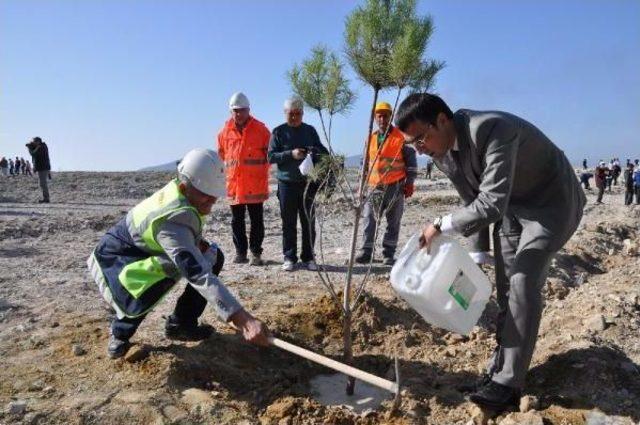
(329, 390)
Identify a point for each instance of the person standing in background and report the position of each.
(290, 144)
(4, 166)
(41, 164)
(429, 168)
(393, 170)
(27, 168)
(628, 184)
(242, 145)
(636, 184)
(600, 179)
(616, 171)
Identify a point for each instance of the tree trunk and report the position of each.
(346, 328)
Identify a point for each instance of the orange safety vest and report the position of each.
(245, 158)
(389, 166)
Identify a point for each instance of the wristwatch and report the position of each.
(437, 223)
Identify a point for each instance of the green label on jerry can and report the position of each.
(462, 290)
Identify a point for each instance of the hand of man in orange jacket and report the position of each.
(408, 190)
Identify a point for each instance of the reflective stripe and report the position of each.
(386, 169)
(390, 158)
(256, 197)
(98, 278)
(103, 286)
(245, 154)
(255, 161)
(141, 275)
(388, 166)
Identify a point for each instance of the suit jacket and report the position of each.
(506, 166)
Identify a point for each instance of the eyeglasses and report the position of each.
(294, 113)
(419, 142)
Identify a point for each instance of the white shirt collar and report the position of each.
(455, 145)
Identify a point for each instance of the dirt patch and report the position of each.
(54, 328)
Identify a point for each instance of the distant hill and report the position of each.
(169, 166)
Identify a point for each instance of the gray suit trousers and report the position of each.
(390, 203)
(42, 177)
(520, 275)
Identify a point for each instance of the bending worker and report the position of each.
(159, 241)
(393, 170)
(508, 173)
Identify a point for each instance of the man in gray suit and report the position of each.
(508, 173)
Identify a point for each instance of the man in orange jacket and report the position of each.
(242, 145)
(392, 171)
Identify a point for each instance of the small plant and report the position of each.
(385, 43)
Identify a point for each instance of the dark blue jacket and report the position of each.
(284, 139)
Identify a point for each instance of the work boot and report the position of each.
(364, 257)
(174, 330)
(256, 260)
(117, 347)
(389, 261)
(496, 397)
(472, 387)
(240, 259)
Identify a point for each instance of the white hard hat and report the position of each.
(238, 101)
(205, 171)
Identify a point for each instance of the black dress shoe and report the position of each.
(117, 347)
(364, 257)
(474, 386)
(43, 201)
(496, 396)
(240, 259)
(388, 261)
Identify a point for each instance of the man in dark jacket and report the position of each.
(628, 181)
(290, 143)
(41, 164)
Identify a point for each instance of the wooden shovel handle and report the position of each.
(340, 367)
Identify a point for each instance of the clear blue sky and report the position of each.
(120, 84)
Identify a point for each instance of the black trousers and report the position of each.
(628, 196)
(256, 234)
(600, 193)
(294, 204)
(188, 309)
(637, 189)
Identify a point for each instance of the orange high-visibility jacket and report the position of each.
(389, 166)
(245, 158)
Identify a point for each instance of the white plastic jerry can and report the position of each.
(445, 287)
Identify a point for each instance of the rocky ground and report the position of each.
(54, 326)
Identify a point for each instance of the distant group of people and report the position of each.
(41, 165)
(607, 175)
(11, 168)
